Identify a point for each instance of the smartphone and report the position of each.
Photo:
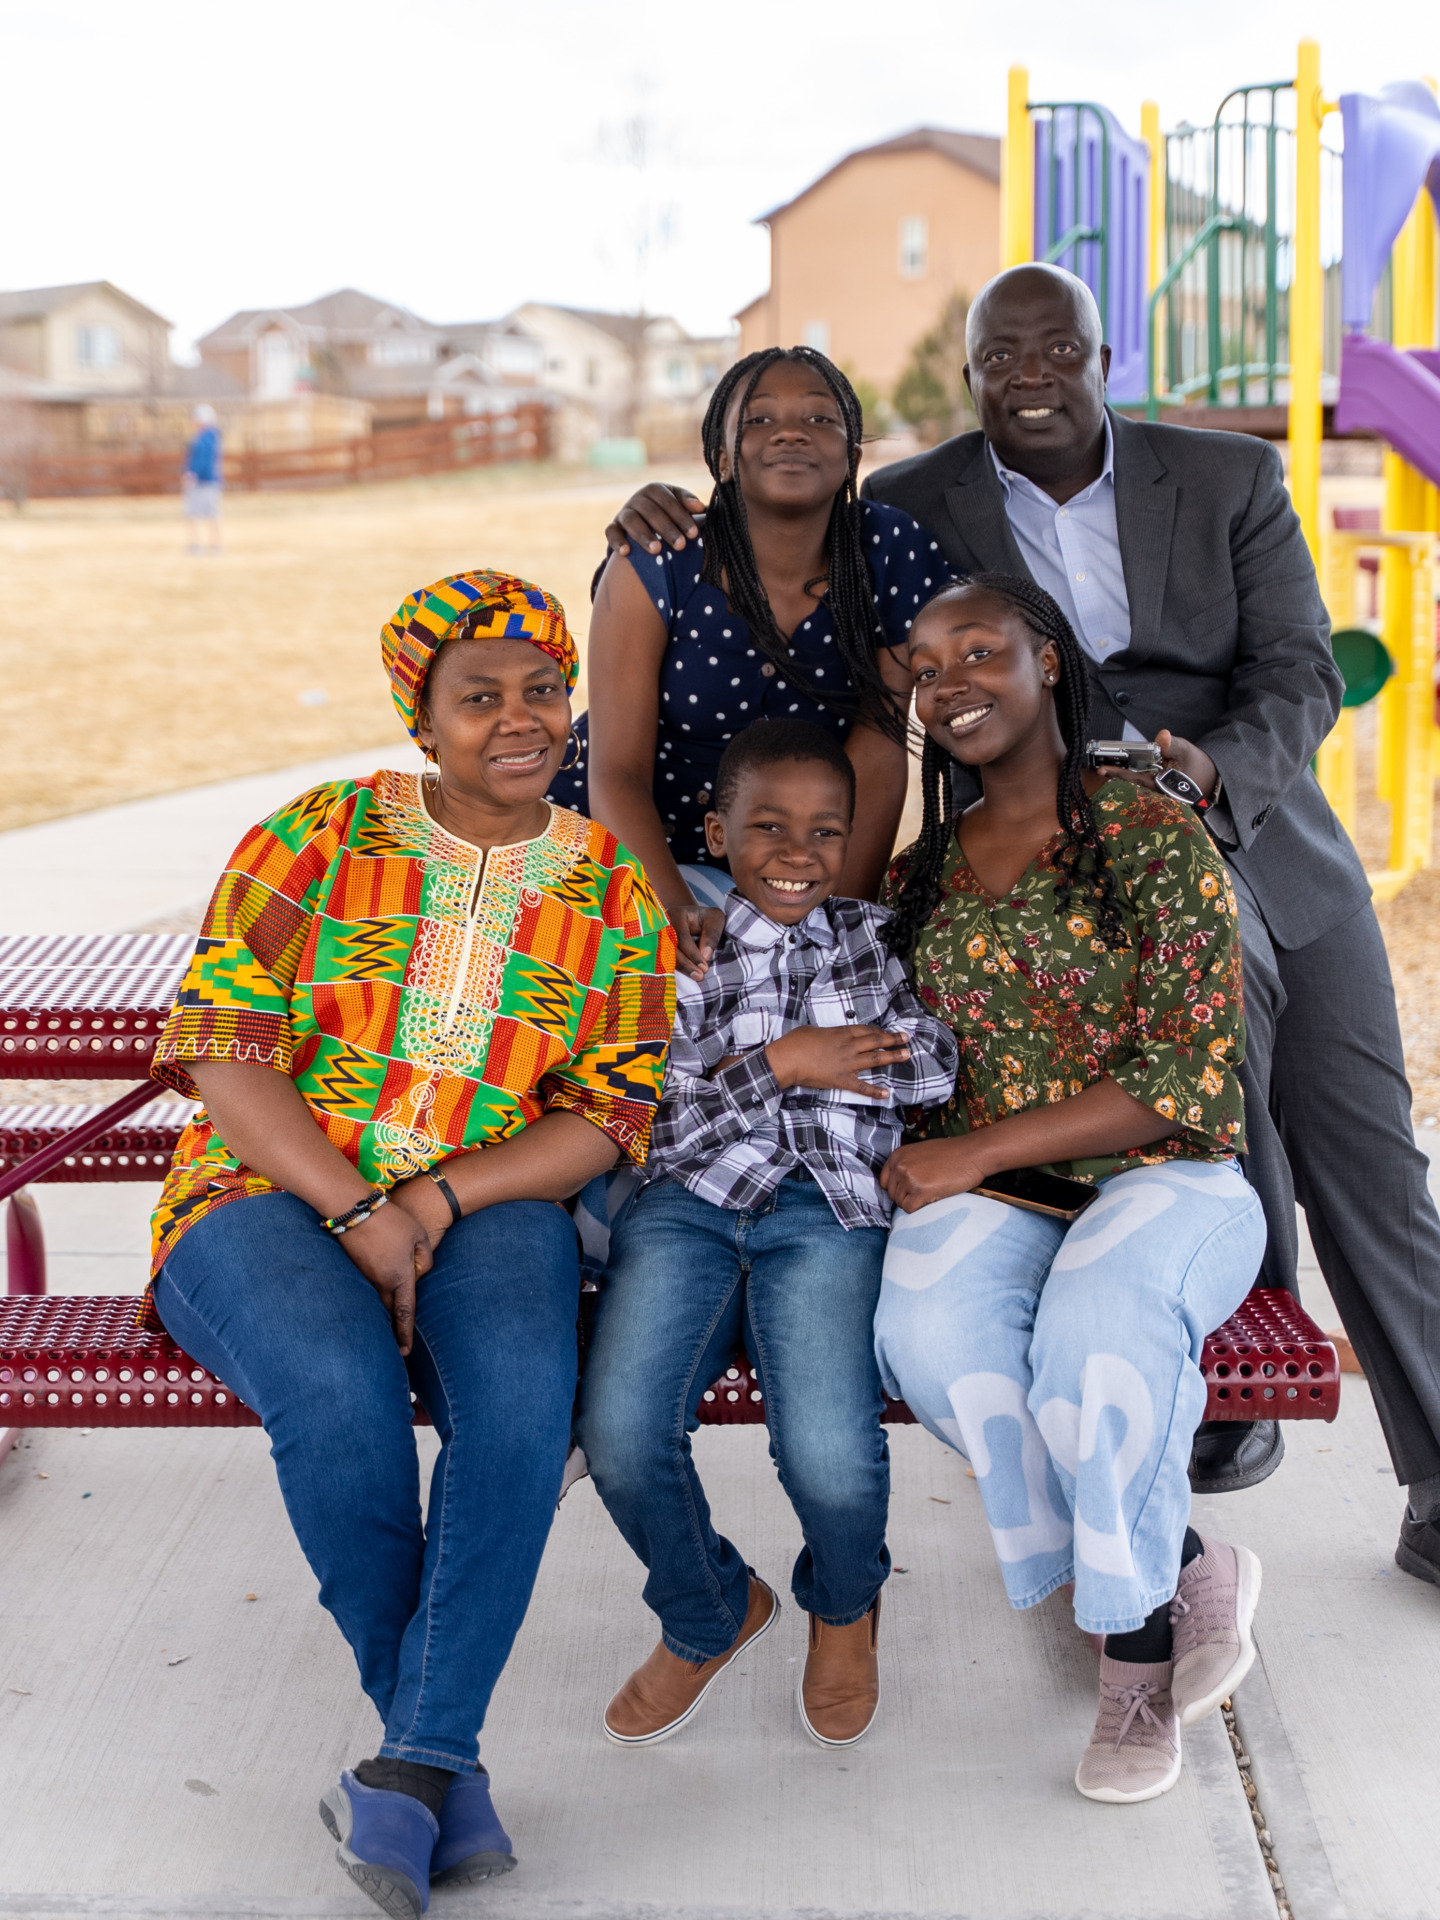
(1141, 756)
(1038, 1192)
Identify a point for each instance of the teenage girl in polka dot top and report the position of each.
(811, 622)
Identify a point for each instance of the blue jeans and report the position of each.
(687, 1282)
(260, 1294)
(1062, 1362)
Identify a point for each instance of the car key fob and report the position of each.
(1181, 787)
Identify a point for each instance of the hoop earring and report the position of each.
(433, 753)
(563, 768)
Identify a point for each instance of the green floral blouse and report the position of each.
(1042, 1009)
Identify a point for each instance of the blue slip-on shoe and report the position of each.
(386, 1843)
(472, 1845)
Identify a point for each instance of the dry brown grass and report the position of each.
(129, 668)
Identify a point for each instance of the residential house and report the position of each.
(624, 375)
(376, 355)
(863, 261)
(78, 348)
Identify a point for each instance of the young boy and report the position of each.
(762, 1221)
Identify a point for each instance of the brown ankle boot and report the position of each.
(660, 1696)
(840, 1688)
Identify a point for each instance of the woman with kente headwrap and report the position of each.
(422, 1013)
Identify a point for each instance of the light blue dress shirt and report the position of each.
(1074, 553)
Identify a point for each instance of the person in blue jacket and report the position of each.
(204, 480)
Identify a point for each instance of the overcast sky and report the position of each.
(460, 158)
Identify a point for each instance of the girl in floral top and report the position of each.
(1080, 935)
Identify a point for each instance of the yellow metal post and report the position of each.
(1404, 762)
(1335, 763)
(1155, 140)
(1017, 176)
(1306, 298)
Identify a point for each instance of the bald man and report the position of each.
(1181, 564)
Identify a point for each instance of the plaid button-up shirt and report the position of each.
(732, 1136)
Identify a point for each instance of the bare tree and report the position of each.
(632, 144)
(931, 393)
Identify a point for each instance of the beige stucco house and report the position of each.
(349, 359)
(78, 351)
(863, 260)
(621, 375)
(78, 341)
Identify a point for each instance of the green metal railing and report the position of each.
(1224, 211)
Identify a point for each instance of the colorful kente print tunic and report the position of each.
(1042, 1010)
(424, 999)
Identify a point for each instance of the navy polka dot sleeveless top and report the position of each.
(714, 680)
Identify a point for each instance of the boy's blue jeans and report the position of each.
(260, 1294)
(688, 1281)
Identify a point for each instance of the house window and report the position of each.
(914, 247)
(592, 373)
(97, 346)
(676, 373)
(709, 373)
(817, 335)
(401, 350)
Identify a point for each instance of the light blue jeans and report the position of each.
(1062, 1362)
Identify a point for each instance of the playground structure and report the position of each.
(1255, 274)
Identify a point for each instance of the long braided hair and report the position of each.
(1081, 861)
(729, 563)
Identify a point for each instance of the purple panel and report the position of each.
(1126, 195)
(1394, 394)
(1392, 149)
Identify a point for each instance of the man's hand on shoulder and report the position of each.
(832, 1059)
(658, 515)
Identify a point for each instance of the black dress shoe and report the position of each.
(1230, 1454)
(1419, 1549)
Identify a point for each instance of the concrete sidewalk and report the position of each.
(125, 867)
(164, 1737)
(130, 1786)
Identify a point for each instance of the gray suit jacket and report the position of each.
(1230, 641)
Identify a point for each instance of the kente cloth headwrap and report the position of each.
(471, 606)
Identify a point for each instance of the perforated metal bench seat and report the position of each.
(79, 1360)
(139, 1147)
(85, 1005)
(92, 1006)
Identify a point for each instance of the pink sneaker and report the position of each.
(1134, 1752)
(1210, 1618)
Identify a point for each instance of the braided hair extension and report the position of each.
(729, 562)
(1082, 860)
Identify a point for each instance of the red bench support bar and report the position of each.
(78, 1360)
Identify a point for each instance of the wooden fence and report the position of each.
(483, 440)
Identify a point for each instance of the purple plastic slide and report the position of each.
(1395, 395)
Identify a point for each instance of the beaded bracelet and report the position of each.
(353, 1216)
(449, 1192)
